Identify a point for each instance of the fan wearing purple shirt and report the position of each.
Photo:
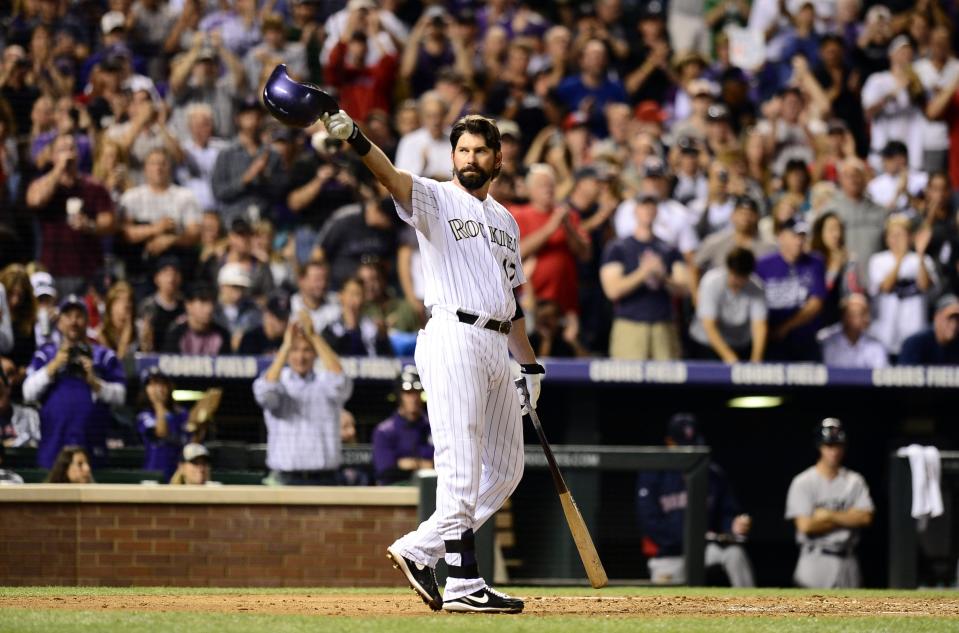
(76, 383)
(402, 443)
(795, 289)
(161, 424)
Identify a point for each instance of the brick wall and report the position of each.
(123, 544)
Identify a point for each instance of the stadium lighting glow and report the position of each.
(186, 395)
(755, 402)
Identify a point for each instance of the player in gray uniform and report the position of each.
(471, 267)
(829, 505)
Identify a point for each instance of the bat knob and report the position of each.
(294, 103)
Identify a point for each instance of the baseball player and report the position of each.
(661, 507)
(471, 265)
(829, 505)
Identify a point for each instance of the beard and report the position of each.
(472, 177)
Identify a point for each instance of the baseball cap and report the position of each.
(42, 283)
(574, 119)
(200, 291)
(152, 373)
(948, 302)
(234, 274)
(683, 428)
(878, 12)
(898, 42)
(702, 87)
(795, 224)
(653, 167)
(354, 5)
(509, 128)
(194, 451)
(653, 10)
(688, 145)
(167, 261)
(649, 112)
(747, 202)
(278, 304)
(73, 301)
(247, 104)
(718, 112)
(830, 432)
(647, 198)
(241, 227)
(894, 148)
(111, 21)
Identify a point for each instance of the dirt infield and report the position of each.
(386, 604)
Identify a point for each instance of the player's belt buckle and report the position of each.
(504, 327)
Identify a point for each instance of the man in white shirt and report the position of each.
(936, 72)
(158, 216)
(315, 296)
(426, 151)
(301, 407)
(674, 222)
(895, 187)
(200, 150)
(900, 281)
(848, 344)
(391, 31)
(891, 100)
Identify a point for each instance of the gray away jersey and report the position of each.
(810, 490)
(469, 250)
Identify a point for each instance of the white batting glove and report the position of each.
(339, 125)
(532, 374)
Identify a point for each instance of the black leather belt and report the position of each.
(503, 327)
(839, 553)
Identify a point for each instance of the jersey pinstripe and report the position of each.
(471, 261)
(469, 249)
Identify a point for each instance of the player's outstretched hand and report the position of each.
(339, 125)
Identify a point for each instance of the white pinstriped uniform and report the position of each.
(471, 261)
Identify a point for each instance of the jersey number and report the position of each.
(510, 269)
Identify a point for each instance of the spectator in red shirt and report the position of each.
(362, 88)
(551, 241)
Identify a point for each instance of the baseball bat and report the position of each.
(577, 526)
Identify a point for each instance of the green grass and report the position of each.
(112, 621)
(24, 621)
(24, 592)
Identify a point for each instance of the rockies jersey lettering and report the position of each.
(477, 275)
(464, 230)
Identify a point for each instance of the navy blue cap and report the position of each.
(279, 305)
(73, 301)
(683, 428)
(152, 373)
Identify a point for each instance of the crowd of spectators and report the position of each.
(727, 180)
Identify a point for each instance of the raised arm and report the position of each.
(398, 182)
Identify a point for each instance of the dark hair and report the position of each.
(479, 125)
(313, 263)
(818, 226)
(741, 261)
(58, 474)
